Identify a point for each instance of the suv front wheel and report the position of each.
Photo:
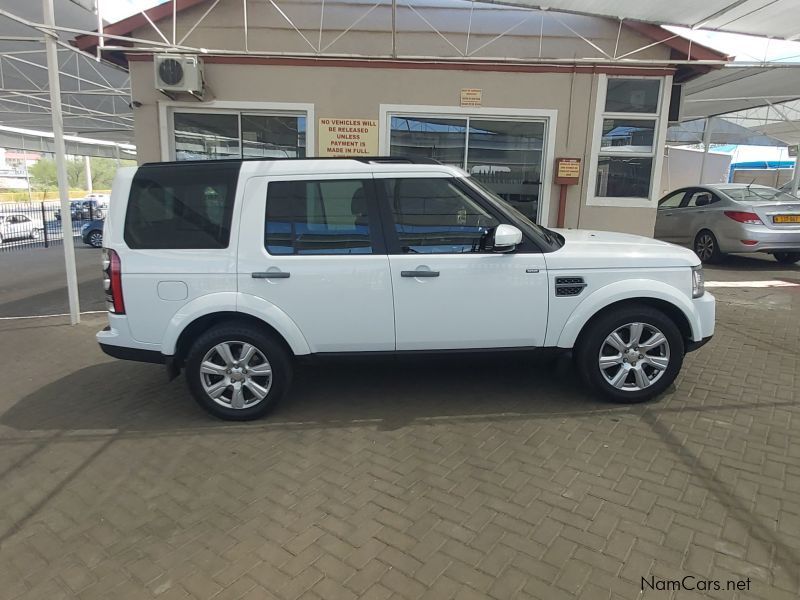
(237, 373)
(630, 354)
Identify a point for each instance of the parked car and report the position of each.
(230, 270)
(731, 217)
(75, 210)
(92, 233)
(14, 226)
(93, 206)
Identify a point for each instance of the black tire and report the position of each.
(787, 258)
(707, 248)
(592, 342)
(95, 239)
(270, 348)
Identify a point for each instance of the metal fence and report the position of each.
(25, 225)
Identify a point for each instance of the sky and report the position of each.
(743, 47)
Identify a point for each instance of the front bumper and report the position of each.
(692, 346)
(705, 310)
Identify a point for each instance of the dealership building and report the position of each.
(499, 91)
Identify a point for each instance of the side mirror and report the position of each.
(506, 238)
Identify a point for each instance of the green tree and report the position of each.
(43, 176)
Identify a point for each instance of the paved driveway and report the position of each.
(481, 477)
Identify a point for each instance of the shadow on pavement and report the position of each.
(387, 393)
(753, 262)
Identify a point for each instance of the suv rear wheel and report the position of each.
(237, 373)
(630, 354)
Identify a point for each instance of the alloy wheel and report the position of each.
(634, 356)
(96, 239)
(236, 375)
(704, 247)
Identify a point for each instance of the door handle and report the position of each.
(419, 273)
(270, 275)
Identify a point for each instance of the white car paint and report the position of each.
(347, 303)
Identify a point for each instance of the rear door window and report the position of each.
(318, 217)
(181, 207)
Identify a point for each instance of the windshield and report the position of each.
(543, 232)
(757, 193)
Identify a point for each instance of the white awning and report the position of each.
(94, 94)
(769, 18)
(754, 101)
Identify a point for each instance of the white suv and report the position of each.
(232, 269)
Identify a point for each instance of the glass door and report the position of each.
(505, 154)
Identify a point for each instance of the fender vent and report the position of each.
(569, 286)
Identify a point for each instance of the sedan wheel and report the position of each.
(706, 247)
(35, 234)
(787, 258)
(96, 239)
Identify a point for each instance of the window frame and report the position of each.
(227, 174)
(656, 155)
(374, 214)
(167, 110)
(392, 240)
(681, 191)
(548, 116)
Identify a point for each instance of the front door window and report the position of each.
(505, 154)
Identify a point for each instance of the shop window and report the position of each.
(627, 144)
(505, 154)
(206, 136)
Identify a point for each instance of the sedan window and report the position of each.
(672, 201)
(701, 198)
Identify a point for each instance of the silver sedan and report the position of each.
(717, 219)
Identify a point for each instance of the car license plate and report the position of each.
(786, 219)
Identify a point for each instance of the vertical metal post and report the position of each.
(706, 144)
(394, 28)
(796, 174)
(87, 165)
(44, 226)
(61, 159)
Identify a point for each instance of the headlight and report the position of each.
(698, 282)
(84, 227)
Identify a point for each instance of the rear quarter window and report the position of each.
(181, 206)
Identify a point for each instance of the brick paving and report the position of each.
(476, 477)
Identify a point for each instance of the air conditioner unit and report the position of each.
(179, 73)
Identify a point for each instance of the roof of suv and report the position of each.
(294, 166)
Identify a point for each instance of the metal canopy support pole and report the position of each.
(706, 145)
(87, 165)
(796, 175)
(61, 159)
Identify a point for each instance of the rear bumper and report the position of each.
(766, 240)
(136, 354)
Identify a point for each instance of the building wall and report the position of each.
(359, 92)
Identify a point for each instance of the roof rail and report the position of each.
(416, 160)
